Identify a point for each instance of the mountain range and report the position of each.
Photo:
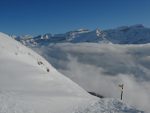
(135, 34)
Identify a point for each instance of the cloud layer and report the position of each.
(101, 67)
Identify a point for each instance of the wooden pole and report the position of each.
(121, 86)
(122, 93)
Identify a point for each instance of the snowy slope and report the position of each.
(29, 84)
(107, 106)
(27, 87)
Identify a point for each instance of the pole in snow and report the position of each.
(121, 86)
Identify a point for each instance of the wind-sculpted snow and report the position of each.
(100, 68)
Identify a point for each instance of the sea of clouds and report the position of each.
(100, 68)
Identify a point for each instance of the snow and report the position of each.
(107, 106)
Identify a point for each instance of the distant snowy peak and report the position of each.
(73, 34)
(82, 30)
(138, 26)
(98, 32)
(92, 36)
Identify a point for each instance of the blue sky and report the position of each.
(35, 17)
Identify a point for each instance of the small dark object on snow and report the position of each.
(47, 70)
(39, 62)
(95, 94)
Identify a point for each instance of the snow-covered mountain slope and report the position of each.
(29, 84)
(100, 68)
(136, 34)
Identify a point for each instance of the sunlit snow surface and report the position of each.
(107, 106)
(26, 87)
